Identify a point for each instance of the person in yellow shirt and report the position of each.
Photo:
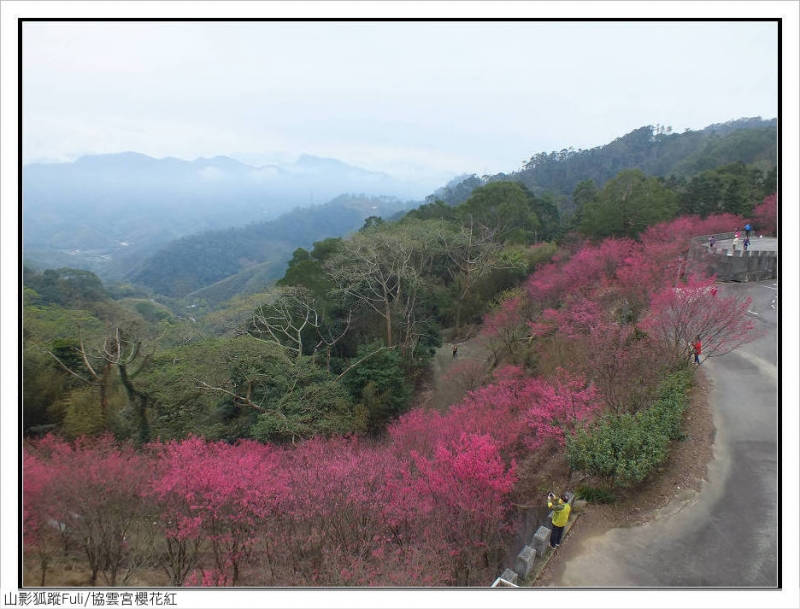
(561, 509)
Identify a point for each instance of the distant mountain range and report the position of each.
(104, 212)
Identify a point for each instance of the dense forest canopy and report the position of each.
(656, 151)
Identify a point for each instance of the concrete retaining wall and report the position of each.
(728, 265)
(745, 266)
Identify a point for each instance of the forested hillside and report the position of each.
(322, 477)
(276, 440)
(338, 345)
(198, 261)
(384, 294)
(656, 151)
(699, 168)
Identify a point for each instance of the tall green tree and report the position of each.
(734, 188)
(70, 288)
(435, 210)
(546, 207)
(306, 269)
(378, 386)
(503, 208)
(585, 192)
(627, 205)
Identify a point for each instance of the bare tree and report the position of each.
(291, 317)
(126, 351)
(96, 373)
(371, 271)
(284, 319)
(120, 349)
(387, 271)
(472, 252)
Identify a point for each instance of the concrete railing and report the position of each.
(536, 551)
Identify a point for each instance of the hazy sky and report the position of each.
(417, 100)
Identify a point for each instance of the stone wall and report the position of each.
(534, 552)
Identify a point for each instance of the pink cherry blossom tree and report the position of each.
(95, 491)
(505, 327)
(558, 405)
(678, 315)
(765, 216)
(461, 505)
(214, 494)
(40, 517)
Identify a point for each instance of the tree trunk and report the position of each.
(43, 560)
(388, 315)
(139, 401)
(103, 395)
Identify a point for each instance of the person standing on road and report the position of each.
(698, 349)
(455, 351)
(747, 229)
(561, 509)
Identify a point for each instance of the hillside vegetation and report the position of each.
(747, 148)
(274, 441)
(198, 261)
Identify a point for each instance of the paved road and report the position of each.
(765, 244)
(727, 534)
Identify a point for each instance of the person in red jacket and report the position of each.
(698, 349)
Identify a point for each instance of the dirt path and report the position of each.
(451, 377)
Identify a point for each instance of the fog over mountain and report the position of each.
(103, 211)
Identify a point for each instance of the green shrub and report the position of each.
(625, 448)
(595, 494)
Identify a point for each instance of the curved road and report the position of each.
(727, 534)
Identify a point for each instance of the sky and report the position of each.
(418, 100)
